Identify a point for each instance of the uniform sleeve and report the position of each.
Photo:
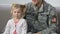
(53, 22)
(7, 28)
(24, 28)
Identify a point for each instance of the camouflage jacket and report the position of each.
(40, 20)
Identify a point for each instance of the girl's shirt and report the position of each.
(21, 27)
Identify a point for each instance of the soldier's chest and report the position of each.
(41, 15)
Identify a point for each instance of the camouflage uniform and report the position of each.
(39, 19)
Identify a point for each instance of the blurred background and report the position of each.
(5, 10)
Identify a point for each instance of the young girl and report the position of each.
(16, 25)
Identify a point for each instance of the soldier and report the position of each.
(41, 17)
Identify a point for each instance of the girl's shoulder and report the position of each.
(10, 20)
(23, 19)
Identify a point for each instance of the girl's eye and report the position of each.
(18, 12)
(14, 11)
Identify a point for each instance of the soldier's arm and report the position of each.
(53, 21)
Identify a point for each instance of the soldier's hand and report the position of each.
(38, 33)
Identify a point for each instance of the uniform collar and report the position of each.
(36, 8)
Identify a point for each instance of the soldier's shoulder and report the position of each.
(29, 4)
(49, 5)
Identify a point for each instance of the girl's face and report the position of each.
(16, 13)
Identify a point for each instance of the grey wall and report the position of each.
(4, 15)
(54, 2)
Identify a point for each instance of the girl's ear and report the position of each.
(11, 12)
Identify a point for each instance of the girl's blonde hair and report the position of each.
(22, 8)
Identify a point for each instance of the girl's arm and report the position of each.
(7, 28)
(24, 28)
